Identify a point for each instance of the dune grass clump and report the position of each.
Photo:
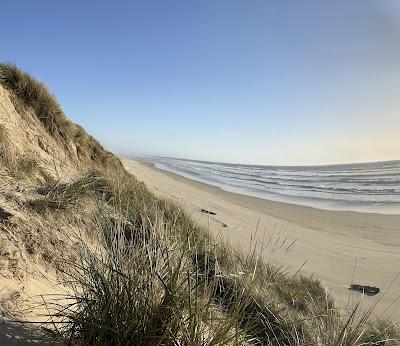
(7, 155)
(381, 332)
(3, 135)
(28, 165)
(30, 92)
(57, 196)
(27, 93)
(143, 293)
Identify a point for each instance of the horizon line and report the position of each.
(262, 165)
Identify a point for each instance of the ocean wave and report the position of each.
(371, 183)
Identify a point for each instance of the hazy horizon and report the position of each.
(265, 83)
(141, 156)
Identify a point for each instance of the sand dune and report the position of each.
(334, 245)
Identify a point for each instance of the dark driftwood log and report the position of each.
(368, 290)
(208, 212)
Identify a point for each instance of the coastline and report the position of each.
(320, 187)
(332, 244)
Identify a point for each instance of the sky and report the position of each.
(259, 82)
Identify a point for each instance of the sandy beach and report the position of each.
(339, 247)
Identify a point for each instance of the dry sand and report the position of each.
(333, 245)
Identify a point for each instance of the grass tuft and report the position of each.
(66, 196)
(31, 93)
(27, 93)
(28, 165)
(3, 135)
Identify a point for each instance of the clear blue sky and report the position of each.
(267, 82)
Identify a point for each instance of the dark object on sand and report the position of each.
(367, 290)
(208, 212)
(224, 225)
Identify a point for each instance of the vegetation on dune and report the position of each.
(31, 93)
(28, 94)
(7, 156)
(140, 271)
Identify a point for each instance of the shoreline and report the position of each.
(328, 242)
(320, 204)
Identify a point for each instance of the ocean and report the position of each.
(362, 187)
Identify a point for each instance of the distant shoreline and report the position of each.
(321, 204)
(140, 158)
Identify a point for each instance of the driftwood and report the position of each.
(208, 212)
(367, 290)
